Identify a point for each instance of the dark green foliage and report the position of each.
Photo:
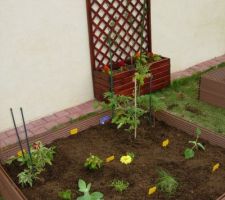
(166, 183)
(93, 162)
(65, 195)
(119, 185)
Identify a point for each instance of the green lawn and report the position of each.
(181, 99)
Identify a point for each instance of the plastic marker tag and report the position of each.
(165, 143)
(73, 131)
(152, 190)
(110, 159)
(104, 120)
(215, 167)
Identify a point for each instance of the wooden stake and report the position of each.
(135, 106)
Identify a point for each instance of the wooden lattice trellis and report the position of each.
(122, 22)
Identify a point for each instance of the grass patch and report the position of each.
(181, 99)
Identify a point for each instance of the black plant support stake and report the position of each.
(17, 133)
(27, 141)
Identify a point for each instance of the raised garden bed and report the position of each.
(195, 178)
(212, 88)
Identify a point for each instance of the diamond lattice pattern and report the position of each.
(121, 22)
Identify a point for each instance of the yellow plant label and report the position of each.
(110, 159)
(215, 167)
(152, 190)
(20, 153)
(73, 131)
(165, 143)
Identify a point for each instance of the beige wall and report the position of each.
(44, 52)
(44, 57)
(188, 31)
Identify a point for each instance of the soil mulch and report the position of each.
(195, 178)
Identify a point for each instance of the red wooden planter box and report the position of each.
(123, 81)
(212, 88)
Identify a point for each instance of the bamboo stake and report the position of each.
(135, 106)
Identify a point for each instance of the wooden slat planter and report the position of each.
(212, 88)
(10, 191)
(123, 81)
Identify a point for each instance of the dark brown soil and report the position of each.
(194, 176)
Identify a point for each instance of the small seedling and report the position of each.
(120, 185)
(166, 183)
(65, 195)
(190, 152)
(85, 188)
(93, 162)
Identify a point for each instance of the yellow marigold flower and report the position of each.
(215, 167)
(152, 190)
(74, 131)
(126, 159)
(19, 153)
(110, 158)
(165, 143)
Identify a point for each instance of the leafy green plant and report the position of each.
(85, 189)
(120, 185)
(65, 195)
(190, 152)
(41, 156)
(93, 162)
(142, 70)
(124, 111)
(166, 183)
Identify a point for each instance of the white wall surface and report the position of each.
(44, 50)
(188, 31)
(44, 57)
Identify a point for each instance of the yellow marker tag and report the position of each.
(165, 143)
(110, 158)
(74, 131)
(19, 153)
(215, 167)
(152, 190)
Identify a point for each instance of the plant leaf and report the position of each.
(82, 185)
(97, 196)
(201, 146)
(189, 153)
